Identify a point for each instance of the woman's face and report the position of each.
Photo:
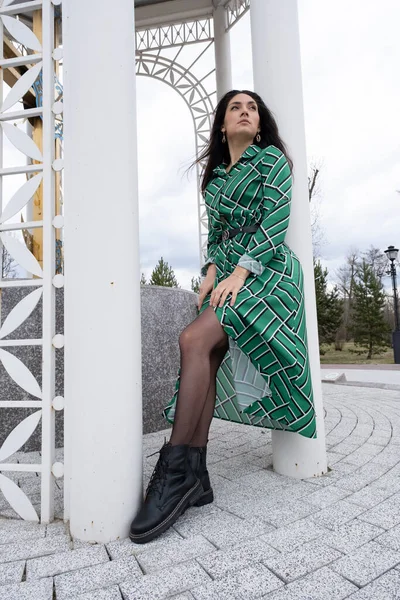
(242, 120)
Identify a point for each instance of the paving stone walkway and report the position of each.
(265, 536)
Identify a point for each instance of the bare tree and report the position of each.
(377, 260)
(9, 266)
(313, 188)
(345, 280)
(389, 312)
(345, 273)
(314, 196)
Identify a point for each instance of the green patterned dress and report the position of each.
(264, 379)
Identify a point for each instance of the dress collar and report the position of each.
(250, 151)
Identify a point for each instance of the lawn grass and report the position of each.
(345, 357)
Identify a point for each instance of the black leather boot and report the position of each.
(173, 487)
(198, 457)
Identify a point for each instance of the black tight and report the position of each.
(203, 345)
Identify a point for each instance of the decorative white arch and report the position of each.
(199, 94)
(199, 102)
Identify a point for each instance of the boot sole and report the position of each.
(206, 498)
(188, 499)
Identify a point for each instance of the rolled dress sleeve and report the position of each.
(277, 195)
(213, 241)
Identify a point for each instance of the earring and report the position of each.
(258, 137)
(223, 138)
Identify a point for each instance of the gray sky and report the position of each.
(350, 54)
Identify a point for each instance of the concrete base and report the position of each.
(333, 377)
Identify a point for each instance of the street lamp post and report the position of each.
(392, 254)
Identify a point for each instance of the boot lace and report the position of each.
(158, 477)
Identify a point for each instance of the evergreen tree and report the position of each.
(143, 280)
(369, 328)
(195, 284)
(329, 306)
(163, 275)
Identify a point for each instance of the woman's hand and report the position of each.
(206, 286)
(230, 285)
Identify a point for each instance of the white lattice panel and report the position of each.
(38, 63)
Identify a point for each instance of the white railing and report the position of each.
(42, 174)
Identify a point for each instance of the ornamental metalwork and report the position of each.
(199, 94)
(174, 35)
(235, 10)
(40, 280)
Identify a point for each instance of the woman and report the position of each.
(251, 323)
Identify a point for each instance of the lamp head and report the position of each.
(392, 253)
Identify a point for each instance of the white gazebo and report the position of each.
(104, 47)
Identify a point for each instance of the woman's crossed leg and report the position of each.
(203, 345)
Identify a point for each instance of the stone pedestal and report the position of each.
(165, 312)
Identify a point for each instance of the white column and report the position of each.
(222, 53)
(278, 80)
(102, 292)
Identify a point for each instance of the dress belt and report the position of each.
(229, 233)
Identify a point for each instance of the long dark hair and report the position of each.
(217, 152)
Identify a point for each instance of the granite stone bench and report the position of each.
(164, 311)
